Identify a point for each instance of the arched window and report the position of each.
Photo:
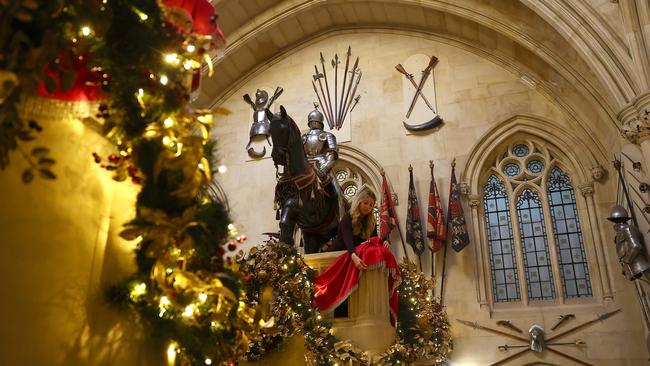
(532, 228)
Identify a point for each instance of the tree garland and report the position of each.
(143, 54)
(422, 329)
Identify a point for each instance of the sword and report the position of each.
(356, 101)
(585, 324)
(347, 101)
(577, 342)
(425, 74)
(321, 103)
(562, 319)
(335, 65)
(401, 69)
(508, 324)
(354, 90)
(345, 77)
(317, 77)
(275, 96)
(327, 87)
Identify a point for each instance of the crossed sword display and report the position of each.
(336, 112)
(436, 121)
(602, 317)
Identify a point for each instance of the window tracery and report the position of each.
(533, 228)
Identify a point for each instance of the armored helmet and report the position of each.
(261, 97)
(315, 117)
(618, 214)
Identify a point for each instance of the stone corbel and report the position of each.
(587, 189)
(464, 189)
(635, 119)
(598, 172)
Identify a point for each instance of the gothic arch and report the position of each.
(579, 160)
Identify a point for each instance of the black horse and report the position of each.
(302, 197)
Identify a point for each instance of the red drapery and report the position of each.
(341, 278)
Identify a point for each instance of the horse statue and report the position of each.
(301, 197)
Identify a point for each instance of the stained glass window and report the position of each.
(520, 150)
(537, 263)
(535, 166)
(503, 262)
(568, 236)
(511, 169)
(544, 210)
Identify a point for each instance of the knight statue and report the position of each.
(260, 129)
(320, 146)
(629, 244)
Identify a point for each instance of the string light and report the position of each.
(189, 310)
(203, 297)
(222, 169)
(208, 361)
(139, 290)
(85, 31)
(163, 79)
(191, 48)
(171, 352)
(168, 122)
(171, 58)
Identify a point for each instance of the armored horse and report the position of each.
(302, 198)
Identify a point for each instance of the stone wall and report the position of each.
(474, 96)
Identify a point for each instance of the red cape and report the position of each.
(341, 278)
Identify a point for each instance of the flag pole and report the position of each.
(433, 253)
(444, 254)
(399, 230)
(419, 255)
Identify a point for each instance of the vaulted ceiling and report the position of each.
(565, 48)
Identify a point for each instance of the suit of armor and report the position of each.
(320, 146)
(260, 129)
(629, 245)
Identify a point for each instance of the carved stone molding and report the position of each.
(598, 172)
(464, 188)
(635, 119)
(474, 200)
(587, 189)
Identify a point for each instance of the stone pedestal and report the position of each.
(368, 322)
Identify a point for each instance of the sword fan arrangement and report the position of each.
(336, 107)
(436, 120)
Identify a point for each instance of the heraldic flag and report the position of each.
(456, 226)
(387, 216)
(414, 235)
(436, 230)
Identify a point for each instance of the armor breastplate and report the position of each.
(624, 245)
(314, 143)
(261, 128)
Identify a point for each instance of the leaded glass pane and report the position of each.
(511, 169)
(539, 278)
(520, 150)
(350, 191)
(568, 236)
(503, 264)
(535, 166)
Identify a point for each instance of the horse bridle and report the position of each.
(284, 150)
